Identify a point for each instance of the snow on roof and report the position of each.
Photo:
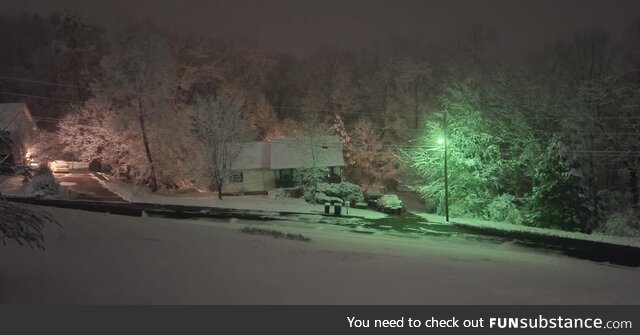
(252, 155)
(13, 116)
(291, 153)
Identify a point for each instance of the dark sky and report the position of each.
(520, 26)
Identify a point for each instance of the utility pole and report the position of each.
(446, 174)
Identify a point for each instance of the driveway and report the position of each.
(87, 186)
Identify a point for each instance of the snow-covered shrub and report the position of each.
(470, 205)
(622, 223)
(503, 209)
(309, 178)
(277, 193)
(322, 198)
(44, 184)
(613, 201)
(43, 169)
(345, 190)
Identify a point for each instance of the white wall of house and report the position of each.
(253, 180)
(260, 162)
(16, 122)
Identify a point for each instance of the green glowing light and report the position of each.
(440, 140)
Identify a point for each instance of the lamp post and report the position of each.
(446, 171)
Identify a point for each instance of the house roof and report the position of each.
(252, 155)
(14, 116)
(289, 153)
(292, 153)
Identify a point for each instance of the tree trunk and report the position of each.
(153, 183)
(592, 185)
(219, 191)
(633, 184)
(416, 101)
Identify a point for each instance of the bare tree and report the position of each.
(221, 129)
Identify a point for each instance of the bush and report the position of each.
(274, 233)
(322, 198)
(308, 178)
(43, 169)
(504, 209)
(623, 223)
(44, 184)
(346, 191)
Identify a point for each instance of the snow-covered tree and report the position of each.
(263, 118)
(474, 159)
(311, 141)
(558, 198)
(137, 84)
(92, 132)
(219, 126)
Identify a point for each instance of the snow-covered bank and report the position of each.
(595, 237)
(110, 259)
(137, 194)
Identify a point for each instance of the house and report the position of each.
(265, 165)
(17, 130)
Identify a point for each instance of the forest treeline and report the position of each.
(552, 140)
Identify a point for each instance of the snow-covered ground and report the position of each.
(110, 259)
(595, 237)
(15, 186)
(134, 193)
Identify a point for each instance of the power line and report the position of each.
(39, 97)
(397, 146)
(41, 82)
(353, 127)
(353, 112)
(298, 108)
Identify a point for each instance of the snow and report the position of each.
(98, 258)
(15, 186)
(595, 237)
(134, 193)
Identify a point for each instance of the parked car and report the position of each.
(59, 166)
(371, 196)
(390, 203)
(32, 161)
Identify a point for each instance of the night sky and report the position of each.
(519, 26)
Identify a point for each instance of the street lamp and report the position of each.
(446, 172)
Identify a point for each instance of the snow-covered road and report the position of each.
(107, 259)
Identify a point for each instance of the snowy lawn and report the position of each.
(134, 193)
(595, 237)
(108, 259)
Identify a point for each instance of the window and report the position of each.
(286, 174)
(236, 177)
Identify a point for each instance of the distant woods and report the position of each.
(558, 131)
